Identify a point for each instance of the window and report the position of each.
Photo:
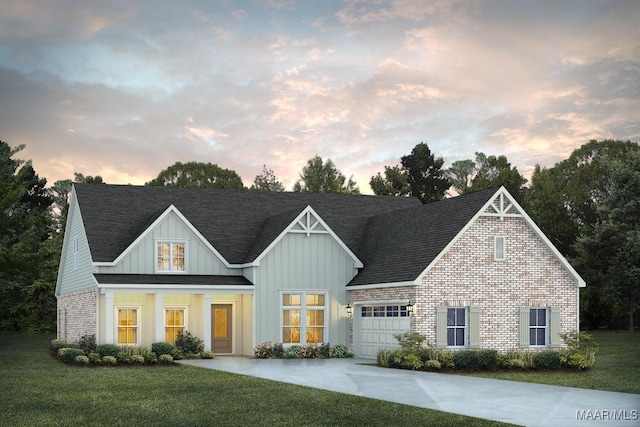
(303, 318)
(499, 248)
(384, 311)
(76, 253)
(127, 326)
(174, 323)
(171, 256)
(457, 327)
(538, 327)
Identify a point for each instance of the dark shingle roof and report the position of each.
(396, 238)
(170, 279)
(400, 245)
(238, 223)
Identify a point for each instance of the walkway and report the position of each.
(508, 401)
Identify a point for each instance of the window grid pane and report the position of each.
(456, 327)
(127, 326)
(538, 327)
(303, 318)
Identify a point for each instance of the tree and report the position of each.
(394, 183)
(492, 171)
(427, 180)
(609, 253)
(197, 174)
(25, 226)
(267, 181)
(461, 174)
(323, 177)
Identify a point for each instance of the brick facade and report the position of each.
(77, 315)
(468, 275)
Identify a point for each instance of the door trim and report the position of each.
(232, 304)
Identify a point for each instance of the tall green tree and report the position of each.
(427, 180)
(461, 174)
(25, 226)
(394, 183)
(267, 181)
(608, 253)
(197, 174)
(318, 176)
(496, 171)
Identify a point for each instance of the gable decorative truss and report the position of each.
(308, 222)
(170, 210)
(503, 205)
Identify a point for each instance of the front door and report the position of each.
(221, 328)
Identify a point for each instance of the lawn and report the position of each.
(617, 367)
(37, 390)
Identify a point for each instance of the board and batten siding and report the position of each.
(74, 280)
(305, 263)
(141, 259)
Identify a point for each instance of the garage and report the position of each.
(375, 326)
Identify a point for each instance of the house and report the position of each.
(237, 268)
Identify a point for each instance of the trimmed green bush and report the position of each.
(94, 358)
(515, 364)
(150, 357)
(107, 350)
(580, 352)
(109, 360)
(410, 340)
(207, 355)
(547, 359)
(160, 348)
(278, 351)
(165, 359)
(264, 350)
(292, 352)
(68, 355)
(137, 359)
(339, 351)
(487, 359)
(81, 360)
(87, 343)
(309, 351)
(57, 344)
(383, 357)
(432, 365)
(324, 351)
(466, 359)
(123, 357)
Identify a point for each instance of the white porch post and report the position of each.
(159, 335)
(110, 325)
(207, 321)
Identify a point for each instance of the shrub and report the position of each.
(57, 344)
(410, 360)
(87, 343)
(383, 357)
(68, 355)
(264, 350)
(445, 357)
(137, 359)
(207, 355)
(176, 353)
(309, 351)
(547, 359)
(278, 351)
(324, 351)
(107, 350)
(525, 356)
(123, 357)
(189, 344)
(292, 352)
(149, 357)
(94, 358)
(410, 340)
(81, 360)
(487, 359)
(466, 359)
(339, 351)
(109, 360)
(580, 352)
(165, 359)
(162, 348)
(432, 364)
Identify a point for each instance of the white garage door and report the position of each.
(375, 326)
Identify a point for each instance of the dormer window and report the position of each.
(171, 257)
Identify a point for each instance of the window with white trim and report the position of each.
(303, 317)
(174, 322)
(127, 325)
(457, 327)
(538, 327)
(499, 248)
(171, 257)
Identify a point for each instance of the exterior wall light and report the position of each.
(411, 307)
(349, 310)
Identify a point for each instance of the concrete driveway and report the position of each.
(508, 401)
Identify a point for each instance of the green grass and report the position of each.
(37, 390)
(617, 367)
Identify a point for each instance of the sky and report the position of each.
(124, 89)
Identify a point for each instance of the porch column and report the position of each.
(110, 325)
(207, 321)
(160, 337)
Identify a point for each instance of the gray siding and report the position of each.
(299, 262)
(70, 280)
(141, 258)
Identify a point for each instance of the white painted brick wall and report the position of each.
(77, 315)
